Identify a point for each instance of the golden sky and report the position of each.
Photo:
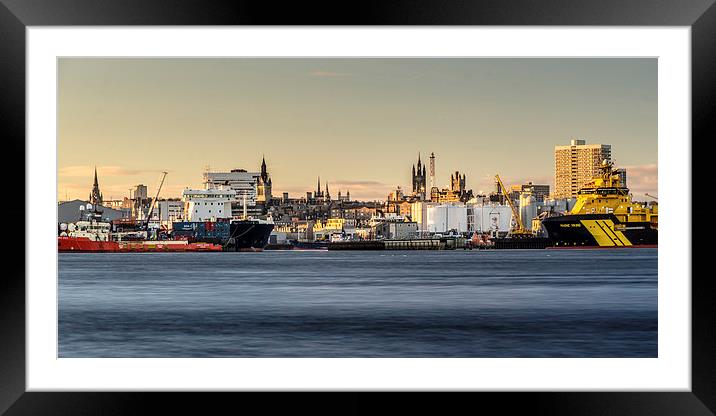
(359, 124)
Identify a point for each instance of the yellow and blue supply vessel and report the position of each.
(605, 216)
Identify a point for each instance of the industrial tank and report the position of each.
(491, 218)
(528, 209)
(443, 218)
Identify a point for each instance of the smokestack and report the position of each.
(432, 170)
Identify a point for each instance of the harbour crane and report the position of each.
(154, 201)
(520, 230)
(652, 196)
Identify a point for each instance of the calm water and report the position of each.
(500, 303)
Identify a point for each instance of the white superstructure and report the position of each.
(93, 230)
(208, 204)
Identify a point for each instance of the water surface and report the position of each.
(495, 303)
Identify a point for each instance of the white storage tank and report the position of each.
(558, 205)
(491, 218)
(419, 214)
(443, 218)
(528, 209)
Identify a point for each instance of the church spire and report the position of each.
(95, 197)
(264, 172)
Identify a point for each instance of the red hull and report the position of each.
(85, 245)
(171, 248)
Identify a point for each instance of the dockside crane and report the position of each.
(154, 201)
(519, 231)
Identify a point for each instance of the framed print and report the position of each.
(402, 199)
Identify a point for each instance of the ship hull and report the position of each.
(167, 247)
(598, 230)
(248, 236)
(234, 236)
(85, 245)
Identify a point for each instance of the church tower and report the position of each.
(419, 180)
(263, 188)
(95, 197)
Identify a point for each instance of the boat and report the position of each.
(233, 235)
(605, 216)
(96, 236)
(86, 245)
(90, 235)
(67, 244)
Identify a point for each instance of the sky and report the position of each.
(358, 123)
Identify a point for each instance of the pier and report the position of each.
(406, 244)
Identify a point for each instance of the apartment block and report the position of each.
(576, 164)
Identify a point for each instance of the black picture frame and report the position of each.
(16, 15)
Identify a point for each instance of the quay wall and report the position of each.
(522, 243)
(440, 244)
(411, 244)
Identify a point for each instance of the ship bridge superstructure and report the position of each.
(606, 195)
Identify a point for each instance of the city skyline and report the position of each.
(359, 124)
